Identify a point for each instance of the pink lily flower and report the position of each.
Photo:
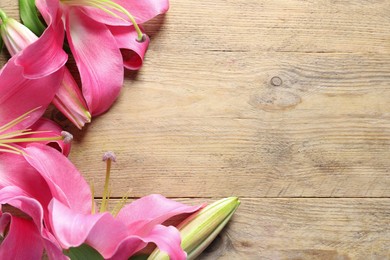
(68, 98)
(97, 32)
(21, 110)
(28, 83)
(29, 191)
(55, 193)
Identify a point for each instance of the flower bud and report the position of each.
(201, 228)
(16, 36)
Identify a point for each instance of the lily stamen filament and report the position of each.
(19, 136)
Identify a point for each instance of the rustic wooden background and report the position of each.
(284, 103)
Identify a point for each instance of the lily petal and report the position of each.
(70, 101)
(17, 198)
(141, 10)
(19, 95)
(98, 59)
(72, 229)
(44, 56)
(23, 240)
(61, 176)
(16, 171)
(151, 210)
(167, 239)
(144, 10)
(133, 52)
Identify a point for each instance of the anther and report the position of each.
(109, 156)
(67, 137)
(143, 38)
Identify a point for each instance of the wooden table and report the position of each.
(284, 103)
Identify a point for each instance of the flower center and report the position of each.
(7, 139)
(110, 8)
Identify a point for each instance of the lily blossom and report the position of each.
(55, 193)
(22, 103)
(123, 232)
(97, 32)
(29, 191)
(68, 98)
(28, 83)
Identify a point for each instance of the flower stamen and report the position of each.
(7, 139)
(108, 157)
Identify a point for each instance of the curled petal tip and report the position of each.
(109, 156)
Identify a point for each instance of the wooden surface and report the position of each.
(284, 103)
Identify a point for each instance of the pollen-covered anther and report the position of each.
(144, 37)
(67, 137)
(109, 156)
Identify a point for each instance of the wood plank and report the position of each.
(183, 129)
(263, 25)
(304, 229)
(275, 26)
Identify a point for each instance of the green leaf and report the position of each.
(83, 252)
(30, 17)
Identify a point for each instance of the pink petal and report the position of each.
(144, 10)
(45, 56)
(19, 95)
(98, 59)
(19, 199)
(52, 248)
(167, 239)
(141, 10)
(128, 247)
(70, 101)
(49, 9)
(16, 171)
(50, 129)
(64, 180)
(133, 52)
(23, 240)
(72, 229)
(143, 214)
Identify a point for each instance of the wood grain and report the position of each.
(307, 229)
(284, 103)
(320, 133)
(304, 228)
